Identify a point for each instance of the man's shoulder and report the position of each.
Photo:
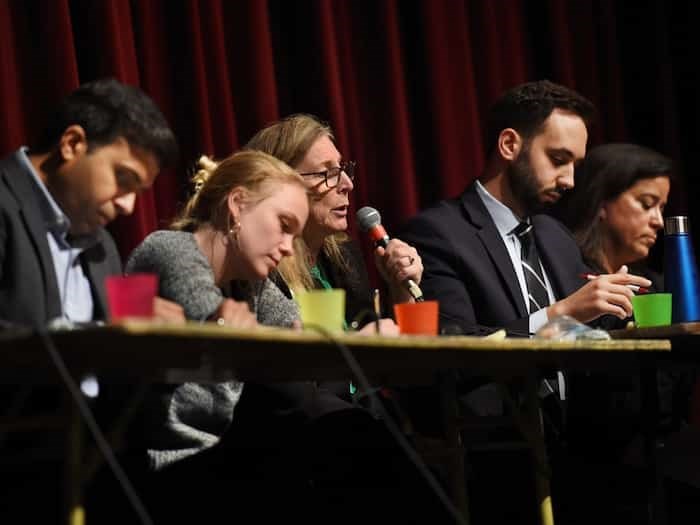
(459, 219)
(559, 250)
(10, 166)
(546, 224)
(440, 215)
(8, 161)
(11, 173)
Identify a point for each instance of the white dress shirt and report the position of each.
(73, 285)
(506, 221)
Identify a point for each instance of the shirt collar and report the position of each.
(56, 222)
(506, 221)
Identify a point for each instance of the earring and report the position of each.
(234, 230)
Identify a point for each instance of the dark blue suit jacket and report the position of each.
(28, 290)
(468, 270)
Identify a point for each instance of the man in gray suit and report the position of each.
(104, 145)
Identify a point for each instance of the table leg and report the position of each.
(451, 417)
(533, 418)
(74, 486)
(656, 502)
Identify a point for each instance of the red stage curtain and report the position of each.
(406, 85)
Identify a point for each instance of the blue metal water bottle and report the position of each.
(680, 270)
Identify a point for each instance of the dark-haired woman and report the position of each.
(616, 208)
(616, 212)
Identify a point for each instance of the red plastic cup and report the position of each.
(417, 318)
(131, 295)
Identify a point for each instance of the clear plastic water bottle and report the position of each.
(681, 271)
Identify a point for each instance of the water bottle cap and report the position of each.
(676, 225)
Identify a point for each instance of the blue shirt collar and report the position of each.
(56, 222)
(506, 221)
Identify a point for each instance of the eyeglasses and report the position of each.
(332, 175)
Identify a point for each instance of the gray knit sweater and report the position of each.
(183, 420)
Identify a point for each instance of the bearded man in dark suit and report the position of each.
(474, 246)
(493, 260)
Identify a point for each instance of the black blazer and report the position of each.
(28, 290)
(467, 267)
(354, 280)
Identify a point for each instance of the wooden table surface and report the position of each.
(209, 352)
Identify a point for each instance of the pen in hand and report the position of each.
(633, 287)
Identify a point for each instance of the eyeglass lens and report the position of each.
(333, 174)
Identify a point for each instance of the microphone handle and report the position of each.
(414, 290)
(410, 284)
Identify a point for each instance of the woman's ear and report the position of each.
(510, 144)
(237, 201)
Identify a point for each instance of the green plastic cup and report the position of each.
(652, 309)
(324, 308)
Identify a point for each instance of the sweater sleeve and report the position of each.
(183, 420)
(273, 307)
(184, 274)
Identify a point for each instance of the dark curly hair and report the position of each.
(107, 109)
(606, 172)
(526, 107)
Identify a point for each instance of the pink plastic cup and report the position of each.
(131, 295)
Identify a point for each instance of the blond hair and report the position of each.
(289, 139)
(213, 181)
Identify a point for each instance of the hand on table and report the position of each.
(603, 294)
(234, 313)
(168, 311)
(386, 327)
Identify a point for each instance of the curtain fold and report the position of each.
(453, 92)
(405, 85)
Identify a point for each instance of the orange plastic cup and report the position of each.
(417, 318)
(131, 295)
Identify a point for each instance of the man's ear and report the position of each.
(73, 143)
(603, 212)
(510, 144)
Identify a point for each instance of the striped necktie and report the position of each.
(538, 299)
(532, 269)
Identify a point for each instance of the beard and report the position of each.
(524, 184)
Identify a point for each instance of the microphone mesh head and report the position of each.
(368, 218)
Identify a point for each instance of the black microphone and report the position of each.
(370, 222)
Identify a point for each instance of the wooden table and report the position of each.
(685, 350)
(173, 353)
(205, 352)
(681, 335)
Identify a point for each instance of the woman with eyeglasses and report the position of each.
(263, 451)
(324, 256)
